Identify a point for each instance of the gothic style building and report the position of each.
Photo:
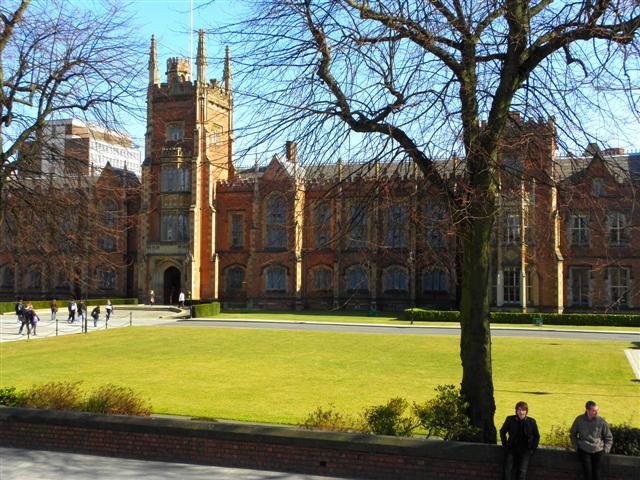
(377, 236)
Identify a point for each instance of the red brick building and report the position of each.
(377, 236)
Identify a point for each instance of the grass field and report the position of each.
(281, 376)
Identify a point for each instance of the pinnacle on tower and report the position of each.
(227, 76)
(154, 75)
(201, 59)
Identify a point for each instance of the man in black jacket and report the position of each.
(520, 437)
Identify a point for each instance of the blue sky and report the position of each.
(170, 22)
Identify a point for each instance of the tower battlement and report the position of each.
(178, 70)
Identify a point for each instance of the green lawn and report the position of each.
(280, 376)
(380, 318)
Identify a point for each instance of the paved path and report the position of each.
(21, 464)
(142, 316)
(416, 329)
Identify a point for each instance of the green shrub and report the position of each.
(11, 397)
(55, 395)
(116, 400)
(388, 419)
(330, 419)
(557, 437)
(445, 415)
(626, 440)
(420, 315)
(207, 309)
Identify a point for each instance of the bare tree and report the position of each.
(61, 60)
(422, 80)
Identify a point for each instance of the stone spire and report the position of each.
(201, 59)
(227, 76)
(154, 75)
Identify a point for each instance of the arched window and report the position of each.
(34, 278)
(357, 280)
(234, 279)
(395, 280)
(358, 226)
(106, 279)
(275, 222)
(109, 223)
(321, 225)
(435, 281)
(6, 277)
(321, 279)
(396, 226)
(275, 278)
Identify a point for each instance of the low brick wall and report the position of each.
(280, 448)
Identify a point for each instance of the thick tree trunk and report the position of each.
(475, 341)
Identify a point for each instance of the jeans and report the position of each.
(590, 464)
(516, 464)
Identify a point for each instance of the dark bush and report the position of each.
(207, 309)
(445, 415)
(330, 419)
(55, 395)
(11, 397)
(626, 440)
(388, 419)
(116, 400)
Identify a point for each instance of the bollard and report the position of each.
(130, 319)
(56, 325)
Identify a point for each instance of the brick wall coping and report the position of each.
(416, 447)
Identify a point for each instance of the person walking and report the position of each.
(152, 298)
(520, 437)
(19, 307)
(95, 314)
(591, 438)
(34, 322)
(108, 308)
(54, 310)
(181, 299)
(72, 311)
(23, 316)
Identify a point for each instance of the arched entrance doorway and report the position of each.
(171, 285)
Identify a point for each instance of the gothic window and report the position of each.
(358, 234)
(597, 187)
(511, 232)
(174, 227)
(234, 279)
(34, 279)
(579, 229)
(276, 278)
(396, 226)
(106, 279)
(275, 223)
(321, 225)
(395, 280)
(215, 135)
(435, 225)
(357, 280)
(512, 285)
(618, 280)
(435, 281)
(579, 282)
(175, 179)
(616, 224)
(237, 230)
(6, 277)
(321, 278)
(175, 132)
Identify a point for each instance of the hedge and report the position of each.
(206, 309)
(62, 303)
(584, 319)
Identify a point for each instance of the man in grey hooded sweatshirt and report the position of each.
(591, 437)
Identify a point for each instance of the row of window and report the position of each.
(396, 221)
(105, 279)
(617, 280)
(580, 229)
(395, 279)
